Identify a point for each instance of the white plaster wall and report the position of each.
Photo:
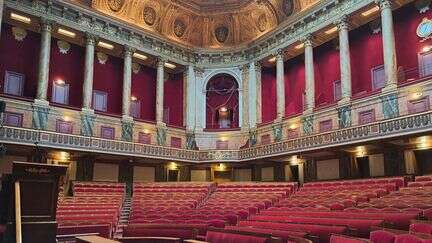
(144, 174)
(267, 174)
(376, 165)
(242, 174)
(198, 175)
(328, 169)
(105, 172)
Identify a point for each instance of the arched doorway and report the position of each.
(222, 102)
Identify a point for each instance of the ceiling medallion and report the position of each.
(288, 7)
(221, 33)
(179, 28)
(115, 5)
(149, 16)
(262, 22)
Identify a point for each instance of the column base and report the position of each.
(40, 114)
(308, 111)
(161, 124)
(87, 111)
(40, 103)
(389, 88)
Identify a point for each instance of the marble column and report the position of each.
(127, 81)
(88, 72)
(1, 13)
(389, 46)
(160, 92)
(258, 93)
(253, 110)
(44, 60)
(309, 74)
(245, 96)
(190, 98)
(345, 59)
(280, 86)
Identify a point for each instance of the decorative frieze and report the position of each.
(277, 132)
(390, 106)
(307, 124)
(87, 123)
(161, 135)
(345, 116)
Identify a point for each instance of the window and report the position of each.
(176, 142)
(221, 144)
(417, 106)
(135, 108)
(144, 138)
(60, 93)
(337, 90)
(265, 139)
(325, 126)
(107, 132)
(100, 100)
(378, 77)
(64, 127)
(14, 83)
(366, 117)
(166, 113)
(425, 64)
(13, 119)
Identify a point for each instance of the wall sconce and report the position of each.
(60, 82)
(105, 45)
(65, 32)
(20, 18)
(370, 11)
(133, 98)
(173, 166)
(426, 49)
(361, 151)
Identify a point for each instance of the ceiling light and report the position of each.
(105, 45)
(223, 109)
(331, 31)
(60, 82)
(133, 98)
(273, 59)
(426, 48)
(299, 46)
(169, 65)
(67, 33)
(370, 11)
(20, 18)
(140, 56)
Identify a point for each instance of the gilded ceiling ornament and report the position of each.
(102, 57)
(116, 5)
(63, 46)
(423, 5)
(136, 68)
(288, 7)
(149, 15)
(262, 22)
(19, 33)
(221, 33)
(375, 26)
(179, 28)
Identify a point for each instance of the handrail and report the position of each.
(18, 229)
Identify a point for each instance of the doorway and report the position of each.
(173, 175)
(363, 167)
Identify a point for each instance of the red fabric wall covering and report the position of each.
(268, 94)
(366, 53)
(21, 57)
(173, 99)
(108, 78)
(70, 68)
(408, 44)
(327, 70)
(144, 88)
(294, 85)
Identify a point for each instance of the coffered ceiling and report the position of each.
(210, 24)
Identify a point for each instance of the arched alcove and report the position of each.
(222, 102)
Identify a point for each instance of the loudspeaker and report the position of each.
(2, 106)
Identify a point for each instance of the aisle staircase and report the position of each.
(124, 216)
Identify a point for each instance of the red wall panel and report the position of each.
(108, 77)
(21, 57)
(366, 53)
(327, 70)
(173, 99)
(70, 68)
(294, 85)
(268, 94)
(144, 88)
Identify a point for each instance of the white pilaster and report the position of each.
(190, 98)
(253, 110)
(1, 13)
(160, 92)
(44, 60)
(345, 59)
(88, 72)
(309, 74)
(258, 93)
(280, 86)
(127, 81)
(245, 98)
(389, 46)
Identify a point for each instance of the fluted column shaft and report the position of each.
(159, 91)
(253, 94)
(127, 80)
(1, 13)
(190, 98)
(345, 59)
(309, 74)
(389, 46)
(280, 86)
(245, 91)
(88, 72)
(44, 60)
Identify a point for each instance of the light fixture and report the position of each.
(60, 82)
(423, 142)
(360, 151)
(293, 126)
(64, 156)
(426, 48)
(105, 45)
(173, 166)
(331, 30)
(370, 11)
(133, 98)
(65, 32)
(223, 139)
(169, 65)
(67, 118)
(299, 46)
(146, 131)
(294, 160)
(273, 59)
(222, 166)
(20, 18)
(223, 109)
(140, 56)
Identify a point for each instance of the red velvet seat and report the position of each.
(419, 227)
(410, 238)
(347, 239)
(382, 236)
(236, 237)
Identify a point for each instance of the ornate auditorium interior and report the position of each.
(215, 121)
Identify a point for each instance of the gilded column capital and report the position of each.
(384, 4)
(160, 62)
(128, 51)
(343, 23)
(279, 54)
(91, 39)
(307, 40)
(46, 24)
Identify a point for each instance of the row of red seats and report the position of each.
(423, 178)
(400, 182)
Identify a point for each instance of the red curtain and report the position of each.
(173, 99)
(268, 94)
(21, 57)
(294, 85)
(144, 88)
